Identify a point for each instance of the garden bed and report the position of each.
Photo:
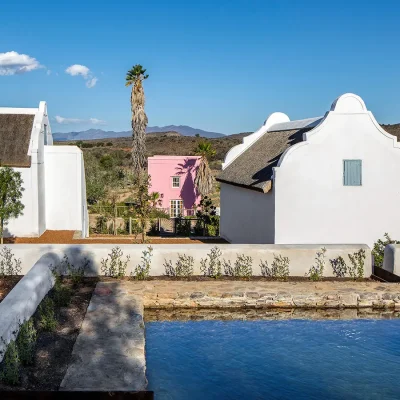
(53, 349)
(6, 285)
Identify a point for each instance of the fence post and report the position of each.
(130, 225)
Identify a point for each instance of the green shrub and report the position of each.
(211, 265)
(316, 272)
(357, 260)
(242, 267)
(61, 295)
(26, 342)
(11, 364)
(47, 318)
(142, 270)
(184, 266)
(9, 265)
(113, 266)
(279, 268)
(339, 267)
(379, 249)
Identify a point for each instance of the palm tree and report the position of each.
(135, 78)
(155, 199)
(204, 179)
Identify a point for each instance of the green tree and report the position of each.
(10, 196)
(96, 180)
(155, 199)
(135, 78)
(144, 203)
(204, 179)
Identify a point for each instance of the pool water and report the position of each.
(295, 359)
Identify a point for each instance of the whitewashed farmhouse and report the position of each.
(53, 176)
(325, 180)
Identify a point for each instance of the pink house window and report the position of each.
(176, 208)
(176, 181)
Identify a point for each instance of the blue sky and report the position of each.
(222, 66)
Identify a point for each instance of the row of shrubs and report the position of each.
(21, 351)
(213, 266)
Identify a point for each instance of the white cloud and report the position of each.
(68, 121)
(91, 82)
(82, 70)
(96, 121)
(78, 69)
(48, 72)
(12, 63)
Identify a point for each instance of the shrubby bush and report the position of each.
(279, 268)
(142, 270)
(113, 266)
(183, 268)
(242, 267)
(211, 265)
(379, 249)
(316, 271)
(11, 364)
(9, 265)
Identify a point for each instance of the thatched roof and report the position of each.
(15, 135)
(253, 168)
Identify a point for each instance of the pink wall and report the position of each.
(163, 168)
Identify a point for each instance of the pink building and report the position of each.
(173, 177)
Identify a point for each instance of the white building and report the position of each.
(329, 180)
(53, 176)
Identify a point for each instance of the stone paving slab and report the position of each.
(109, 353)
(262, 294)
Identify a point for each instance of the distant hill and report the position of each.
(92, 134)
(160, 143)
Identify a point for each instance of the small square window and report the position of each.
(352, 172)
(176, 181)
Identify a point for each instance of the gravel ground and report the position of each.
(66, 237)
(6, 285)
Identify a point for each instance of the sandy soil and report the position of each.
(66, 237)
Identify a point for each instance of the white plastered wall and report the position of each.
(313, 205)
(33, 220)
(247, 216)
(65, 189)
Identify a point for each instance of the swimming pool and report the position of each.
(295, 359)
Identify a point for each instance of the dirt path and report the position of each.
(67, 237)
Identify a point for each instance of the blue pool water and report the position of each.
(296, 359)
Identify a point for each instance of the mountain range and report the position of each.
(100, 134)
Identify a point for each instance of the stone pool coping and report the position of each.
(250, 294)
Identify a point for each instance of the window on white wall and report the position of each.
(45, 133)
(176, 181)
(352, 172)
(176, 208)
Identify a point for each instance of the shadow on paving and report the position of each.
(109, 351)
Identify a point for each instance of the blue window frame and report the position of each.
(352, 172)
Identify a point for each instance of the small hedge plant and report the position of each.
(183, 267)
(242, 267)
(279, 268)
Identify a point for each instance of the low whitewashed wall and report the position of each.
(21, 303)
(391, 259)
(302, 257)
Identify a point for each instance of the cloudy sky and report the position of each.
(222, 66)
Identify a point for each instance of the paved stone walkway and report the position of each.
(108, 354)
